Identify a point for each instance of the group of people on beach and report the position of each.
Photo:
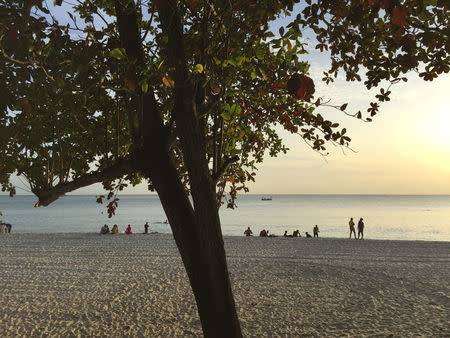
(115, 229)
(295, 233)
(5, 228)
(351, 224)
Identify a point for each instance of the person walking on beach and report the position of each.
(361, 228)
(146, 228)
(248, 232)
(351, 224)
(316, 231)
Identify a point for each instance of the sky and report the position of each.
(405, 150)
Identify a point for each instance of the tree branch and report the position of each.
(47, 196)
(224, 167)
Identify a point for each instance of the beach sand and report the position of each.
(119, 285)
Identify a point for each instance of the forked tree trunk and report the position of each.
(202, 251)
(197, 232)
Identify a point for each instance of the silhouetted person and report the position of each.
(316, 231)
(361, 228)
(8, 228)
(128, 230)
(296, 233)
(146, 228)
(248, 232)
(351, 224)
(263, 233)
(307, 235)
(285, 233)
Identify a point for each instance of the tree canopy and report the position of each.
(69, 84)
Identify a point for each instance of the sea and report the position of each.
(396, 217)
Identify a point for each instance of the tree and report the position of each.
(189, 95)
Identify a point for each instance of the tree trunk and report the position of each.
(202, 251)
(197, 232)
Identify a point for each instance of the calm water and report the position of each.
(385, 216)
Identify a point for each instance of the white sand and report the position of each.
(92, 285)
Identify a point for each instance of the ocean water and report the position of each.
(399, 217)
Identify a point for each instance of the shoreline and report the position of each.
(224, 236)
(70, 284)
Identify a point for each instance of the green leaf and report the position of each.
(198, 68)
(281, 31)
(118, 53)
(263, 73)
(226, 116)
(253, 75)
(144, 87)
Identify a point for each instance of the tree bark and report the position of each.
(196, 231)
(202, 252)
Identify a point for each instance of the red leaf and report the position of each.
(278, 85)
(230, 179)
(86, 42)
(26, 107)
(130, 84)
(301, 85)
(399, 16)
(386, 4)
(289, 45)
(373, 2)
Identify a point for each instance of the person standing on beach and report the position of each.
(361, 228)
(248, 232)
(351, 224)
(316, 231)
(146, 228)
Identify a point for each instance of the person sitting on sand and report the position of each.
(351, 224)
(104, 230)
(128, 230)
(8, 228)
(296, 233)
(263, 233)
(115, 229)
(285, 233)
(361, 228)
(146, 228)
(248, 232)
(307, 235)
(316, 231)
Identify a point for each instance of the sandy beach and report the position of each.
(118, 285)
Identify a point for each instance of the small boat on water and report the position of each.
(266, 198)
